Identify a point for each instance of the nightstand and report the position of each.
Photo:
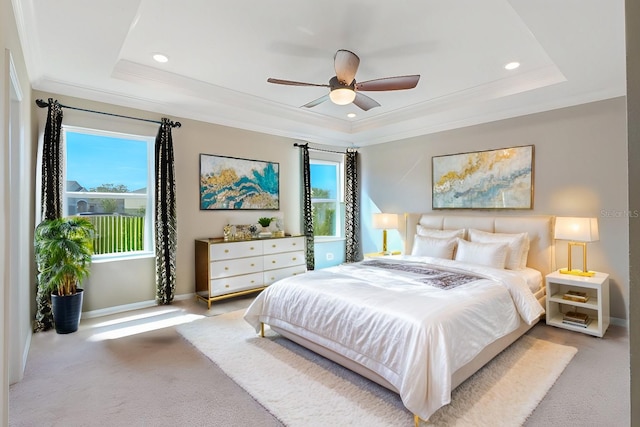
(596, 307)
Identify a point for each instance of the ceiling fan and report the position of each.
(343, 87)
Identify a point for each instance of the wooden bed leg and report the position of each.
(262, 329)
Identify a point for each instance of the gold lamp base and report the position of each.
(577, 272)
(573, 271)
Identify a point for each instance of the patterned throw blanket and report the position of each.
(437, 278)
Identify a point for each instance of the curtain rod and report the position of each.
(295, 144)
(43, 104)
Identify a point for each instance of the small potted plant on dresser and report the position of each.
(63, 249)
(265, 222)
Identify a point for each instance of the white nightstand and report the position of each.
(597, 306)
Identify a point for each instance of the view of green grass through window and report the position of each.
(107, 178)
(325, 200)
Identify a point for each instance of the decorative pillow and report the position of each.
(440, 234)
(518, 246)
(433, 247)
(489, 254)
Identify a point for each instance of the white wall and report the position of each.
(580, 170)
(16, 218)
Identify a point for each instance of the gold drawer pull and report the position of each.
(226, 286)
(253, 265)
(273, 246)
(273, 278)
(253, 281)
(294, 258)
(226, 268)
(273, 262)
(226, 251)
(294, 243)
(252, 248)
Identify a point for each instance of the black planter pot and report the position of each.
(66, 312)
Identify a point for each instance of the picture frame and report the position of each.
(232, 183)
(489, 179)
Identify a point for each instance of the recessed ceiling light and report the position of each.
(512, 65)
(351, 115)
(158, 57)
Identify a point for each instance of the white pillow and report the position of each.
(433, 247)
(440, 234)
(518, 246)
(489, 254)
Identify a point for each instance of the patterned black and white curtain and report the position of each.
(352, 207)
(166, 236)
(49, 179)
(307, 213)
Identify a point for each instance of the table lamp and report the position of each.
(385, 222)
(579, 232)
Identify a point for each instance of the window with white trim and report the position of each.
(327, 195)
(108, 178)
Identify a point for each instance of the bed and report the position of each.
(420, 324)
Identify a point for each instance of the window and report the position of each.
(109, 179)
(327, 199)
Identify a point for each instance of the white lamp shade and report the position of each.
(342, 96)
(385, 221)
(577, 229)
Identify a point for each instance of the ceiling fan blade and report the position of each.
(364, 102)
(317, 101)
(292, 83)
(346, 64)
(389, 83)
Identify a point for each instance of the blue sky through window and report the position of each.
(324, 177)
(93, 160)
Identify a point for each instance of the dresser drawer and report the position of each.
(235, 267)
(235, 250)
(274, 275)
(236, 283)
(284, 245)
(286, 259)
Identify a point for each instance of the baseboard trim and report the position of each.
(129, 307)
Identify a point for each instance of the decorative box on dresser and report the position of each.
(225, 269)
(596, 306)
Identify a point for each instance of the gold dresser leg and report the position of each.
(262, 329)
(416, 420)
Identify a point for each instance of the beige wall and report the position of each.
(114, 283)
(580, 170)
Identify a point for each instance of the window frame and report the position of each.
(149, 247)
(324, 158)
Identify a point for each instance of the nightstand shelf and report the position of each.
(597, 307)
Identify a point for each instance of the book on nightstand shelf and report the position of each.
(579, 324)
(576, 319)
(576, 296)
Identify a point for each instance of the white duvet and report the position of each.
(412, 334)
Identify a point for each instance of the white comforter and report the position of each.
(413, 335)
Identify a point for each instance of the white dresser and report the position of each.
(228, 269)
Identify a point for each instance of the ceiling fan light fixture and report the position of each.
(342, 96)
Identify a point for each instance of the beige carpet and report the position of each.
(303, 389)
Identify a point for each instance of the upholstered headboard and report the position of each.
(540, 230)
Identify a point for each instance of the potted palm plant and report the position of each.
(63, 249)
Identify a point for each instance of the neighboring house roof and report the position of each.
(75, 186)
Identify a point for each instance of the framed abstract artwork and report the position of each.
(229, 183)
(491, 179)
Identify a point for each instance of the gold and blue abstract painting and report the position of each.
(229, 183)
(491, 179)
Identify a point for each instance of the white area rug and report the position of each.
(303, 389)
